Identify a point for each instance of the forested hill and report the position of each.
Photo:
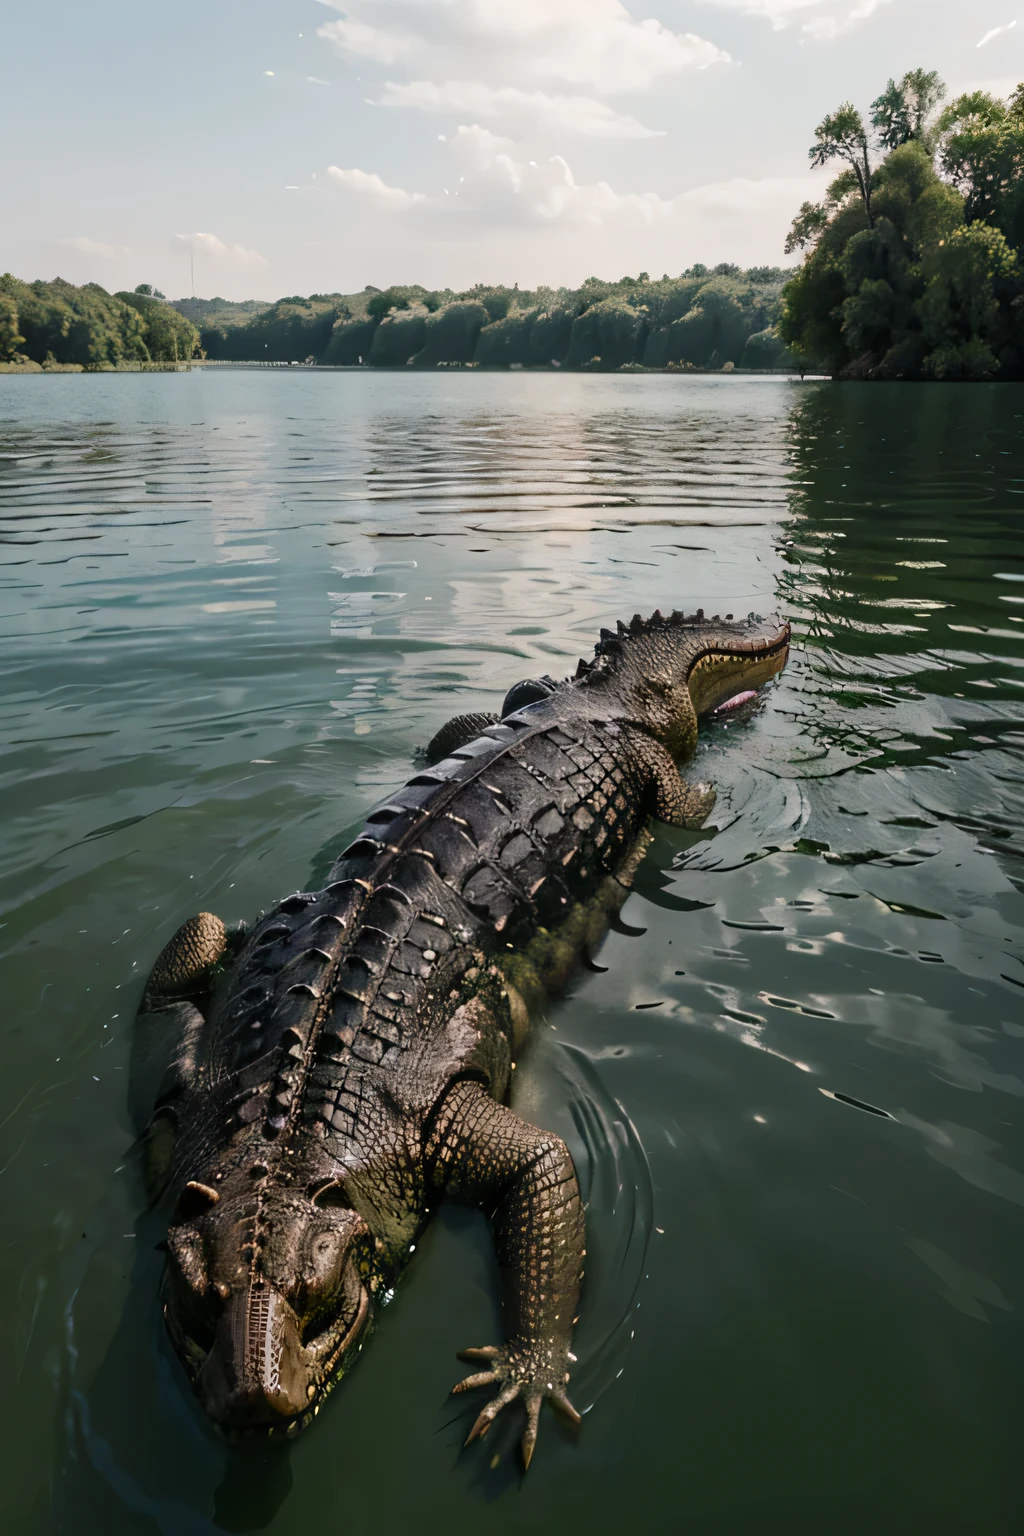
(706, 318)
(58, 325)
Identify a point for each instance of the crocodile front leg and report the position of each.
(482, 1152)
(168, 1024)
(184, 965)
(673, 800)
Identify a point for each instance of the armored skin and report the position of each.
(340, 1068)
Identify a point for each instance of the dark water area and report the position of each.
(232, 606)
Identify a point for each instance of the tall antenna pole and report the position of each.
(192, 258)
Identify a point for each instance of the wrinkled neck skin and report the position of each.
(664, 674)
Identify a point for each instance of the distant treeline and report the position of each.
(58, 325)
(706, 318)
(913, 271)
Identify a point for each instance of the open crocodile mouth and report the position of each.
(736, 702)
(724, 677)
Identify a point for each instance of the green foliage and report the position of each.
(86, 325)
(902, 111)
(220, 312)
(382, 303)
(507, 341)
(916, 276)
(497, 301)
(981, 150)
(169, 336)
(966, 312)
(289, 331)
(451, 333)
(550, 335)
(608, 334)
(842, 136)
(399, 338)
(628, 322)
(715, 330)
(10, 338)
(350, 343)
(766, 349)
(811, 320)
(807, 226)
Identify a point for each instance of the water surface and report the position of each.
(232, 606)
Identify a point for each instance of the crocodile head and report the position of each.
(665, 673)
(266, 1297)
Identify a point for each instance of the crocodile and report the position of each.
(342, 1066)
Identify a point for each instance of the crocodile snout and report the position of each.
(257, 1375)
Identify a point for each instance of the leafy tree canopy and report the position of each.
(911, 269)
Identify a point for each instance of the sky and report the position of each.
(297, 146)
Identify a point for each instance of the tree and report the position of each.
(901, 112)
(807, 226)
(920, 281)
(10, 340)
(981, 150)
(966, 311)
(842, 136)
(83, 325)
(170, 337)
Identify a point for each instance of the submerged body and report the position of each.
(341, 1067)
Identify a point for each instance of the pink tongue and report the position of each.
(735, 702)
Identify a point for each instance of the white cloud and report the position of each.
(477, 146)
(369, 185)
(840, 15)
(497, 190)
(87, 247)
(596, 43)
(315, 80)
(218, 252)
(368, 42)
(995, 32)
(555, 114)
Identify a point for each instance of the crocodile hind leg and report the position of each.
(482, 1152)
(456, 733)
(530, 691)
(673, 800)
(462, 729)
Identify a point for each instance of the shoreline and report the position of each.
(35, 370)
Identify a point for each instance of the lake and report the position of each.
(234, 603)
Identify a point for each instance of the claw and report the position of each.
(488, 1415)
(481, 1379)
(529, 1439)
(489, 1352)
(562, 1403)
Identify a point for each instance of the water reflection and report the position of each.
(231, 610)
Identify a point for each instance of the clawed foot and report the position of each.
(517, 1376)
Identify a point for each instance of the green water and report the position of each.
(233, 604)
